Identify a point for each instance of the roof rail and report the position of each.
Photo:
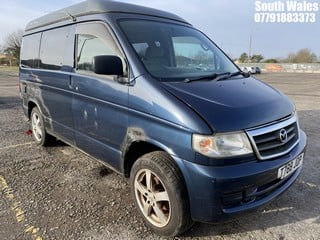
(97, 6)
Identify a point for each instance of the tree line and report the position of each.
(304, 55)
(11, 48)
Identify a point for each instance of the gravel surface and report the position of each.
(60, 193)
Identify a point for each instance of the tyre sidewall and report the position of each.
(174, 191)
(35, 110)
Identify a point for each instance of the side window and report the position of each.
(55, 49)
(88, 47)
(94, 39)
(30, 51)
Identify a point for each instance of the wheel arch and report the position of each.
(139, 147)
(32, 104)
(134, 151)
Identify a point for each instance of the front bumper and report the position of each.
(219, 192)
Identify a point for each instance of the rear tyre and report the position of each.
(39, 133)
(160, 195)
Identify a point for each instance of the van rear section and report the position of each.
(153, 98)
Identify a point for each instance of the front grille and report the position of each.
(275, 140)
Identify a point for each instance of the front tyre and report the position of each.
(160, 195)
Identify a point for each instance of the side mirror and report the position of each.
(107, 65)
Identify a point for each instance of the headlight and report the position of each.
(222, 145)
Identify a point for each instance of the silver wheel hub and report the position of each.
(152, 198)
(36, 126)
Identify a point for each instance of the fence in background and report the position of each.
(285, 67)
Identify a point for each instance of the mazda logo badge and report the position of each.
(283, 135)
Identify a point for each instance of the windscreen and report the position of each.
(172, 52)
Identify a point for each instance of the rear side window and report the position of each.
(55, 51)
(30, 51)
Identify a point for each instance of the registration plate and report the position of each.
(290, 167)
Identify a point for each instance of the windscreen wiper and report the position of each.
(230, 75)
(217, 77)
(206, 77)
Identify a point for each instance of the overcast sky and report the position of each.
(228, 22)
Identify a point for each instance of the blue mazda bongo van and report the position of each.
(154, 99)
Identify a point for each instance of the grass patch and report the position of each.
(9, 69)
